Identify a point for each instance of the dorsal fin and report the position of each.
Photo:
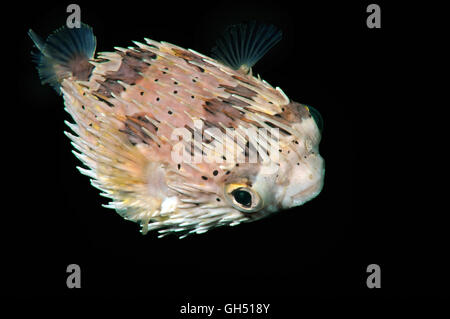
(242, 45)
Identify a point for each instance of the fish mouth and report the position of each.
(307, 194)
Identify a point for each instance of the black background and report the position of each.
(358, 78)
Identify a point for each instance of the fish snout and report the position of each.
(305, 183)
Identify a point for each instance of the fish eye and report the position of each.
(243, 198)
(317, 117)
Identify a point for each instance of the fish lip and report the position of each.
(315, 189)
(304, 199)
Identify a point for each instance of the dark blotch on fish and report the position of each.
(128, 72)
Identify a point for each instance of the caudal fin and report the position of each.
(65, 53)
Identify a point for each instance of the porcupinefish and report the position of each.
(139, 112)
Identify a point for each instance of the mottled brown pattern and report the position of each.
(187, 56)
(133, 128)
(109, 85)
(214, 107)
(81, 68)
(294, 112)
(138, 59)
(128, 72)
(239, 90)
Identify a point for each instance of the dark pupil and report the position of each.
(242, 197)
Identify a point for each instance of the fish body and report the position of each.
(179, 141)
